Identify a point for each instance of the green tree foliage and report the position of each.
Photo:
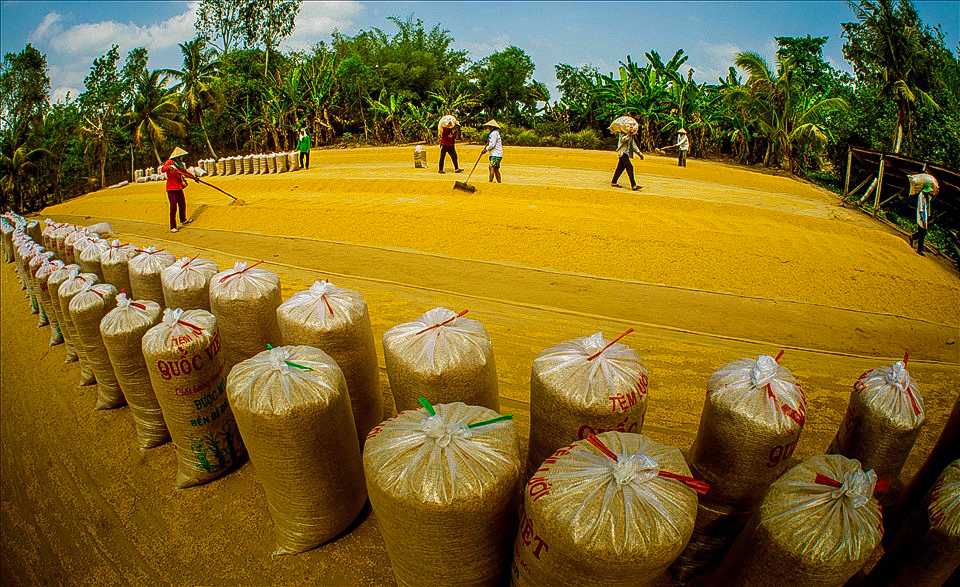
(506, 86)
(24, 91)
(196, 83)
(155, 112)
(221, 23)
(267, 23)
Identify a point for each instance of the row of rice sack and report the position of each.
(154, 174)
(252, 164)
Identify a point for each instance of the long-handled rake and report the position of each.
(235, 201)
(465, 185)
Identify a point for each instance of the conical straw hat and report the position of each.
(491, 123)
(178, 152)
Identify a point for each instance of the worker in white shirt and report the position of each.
(683, 145)
(495, 148)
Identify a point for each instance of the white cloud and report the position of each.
(480, 50)
(710, 61)
(95, 38)
(60, 94)
(49, 26)
(317, 20)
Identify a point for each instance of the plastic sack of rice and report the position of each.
(7, 232)
(122, 330)
(926, 552)
(89, 260)
(145, 271)
(43, 276)
(817, 526)
(39, 260)
(87, 309)
(222, 167)
(54, 280)
(448, 121)
(186, 283)
(281, 159)
(49, 242)
(66, 292)
(271, 163)
(624, 124)
(69, 244)
(114, 264)
(60, 238)
(248, 164)
(245, 300)
(581, 387)
(184, 357)
(444, 484)
(336, 321)
(35, 231)
(751, 421)
(613, 509)
(25, 253)
(293, 412)
(882, 422)
(716, 528)
(230, 166)
(293, 160)
(443, 357)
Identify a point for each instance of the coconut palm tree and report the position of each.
(196, 83)
(16, 166)
(155, 112)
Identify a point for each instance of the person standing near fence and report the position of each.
(924, 201)
(495, 148)
(448, 142)
(626, 147)
(683, 145)
(176, 182)
(303, 144)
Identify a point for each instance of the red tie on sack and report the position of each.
(700, 487)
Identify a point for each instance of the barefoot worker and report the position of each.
(449, 131)
(495, 148)
(683, 145)
(626, 129)
(176, 181)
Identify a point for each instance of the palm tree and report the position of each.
(196, 83)
(391, 109)
(155, 113)
(16, 165)
(888, 48)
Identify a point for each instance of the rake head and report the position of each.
(464, 186)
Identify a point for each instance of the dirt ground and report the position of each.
(708, 263)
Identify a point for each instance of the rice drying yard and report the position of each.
(708, 264)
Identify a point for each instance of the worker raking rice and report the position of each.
(245, 300)
(443, 357)
(184, 357)
(816, 527)
(293, 412)
(614, 509)
(186, 283)
(67, 291)
(87, 309)
(336, 321)
(122, 330)
(926, 553)
(114, 264)
(444, 482)
(54, 281)
(581, 387)
(882, 422)
(145, 271)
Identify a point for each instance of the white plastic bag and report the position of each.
(186, 283)
(145, 271)
(245, 300)
(87, 309)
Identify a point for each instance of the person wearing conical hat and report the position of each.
(176, 182)
(495, 148)
(683, 145)
(627, 147)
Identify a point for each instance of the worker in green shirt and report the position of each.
(303, 143)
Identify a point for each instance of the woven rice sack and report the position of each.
(66, 292)
(35, 231)
(122, 330)
(7, 232)
(54, 281)
(445, 494)
(59, 238)
(39, 259)
(43, 275)
(49, 242)
(293, 412)
(751, 421)
(185, 360)
(293, 160)
(87, 309)
(238, 164)
(443, 357)
(245, 300)
(25, 253)
(231, 166)
(336, 321)
(257, 164)
(69, 244)
(271, 163)
(90, 258)
(581, 387)
(248, 164)
(882, 422)
(145, 271)
(281, 159)
(114, 264)
(816, 527)
(222, 167)
(186, 284)
(926, 553)
(613, 510)
(448, 121)
(624, 124)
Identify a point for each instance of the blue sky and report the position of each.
(72, 34)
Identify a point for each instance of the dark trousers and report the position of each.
(624, 164)
(305, 160)
(453, 156)
(919, 236)
(682, 160)
(177, 199)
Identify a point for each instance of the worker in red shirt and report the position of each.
(176, 181)
(448, 141)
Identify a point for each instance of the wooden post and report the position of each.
(896, 195)
(133, 173)
(866, 192)
(846, 183)
(876, 198)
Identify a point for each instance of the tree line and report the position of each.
(235, 92)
